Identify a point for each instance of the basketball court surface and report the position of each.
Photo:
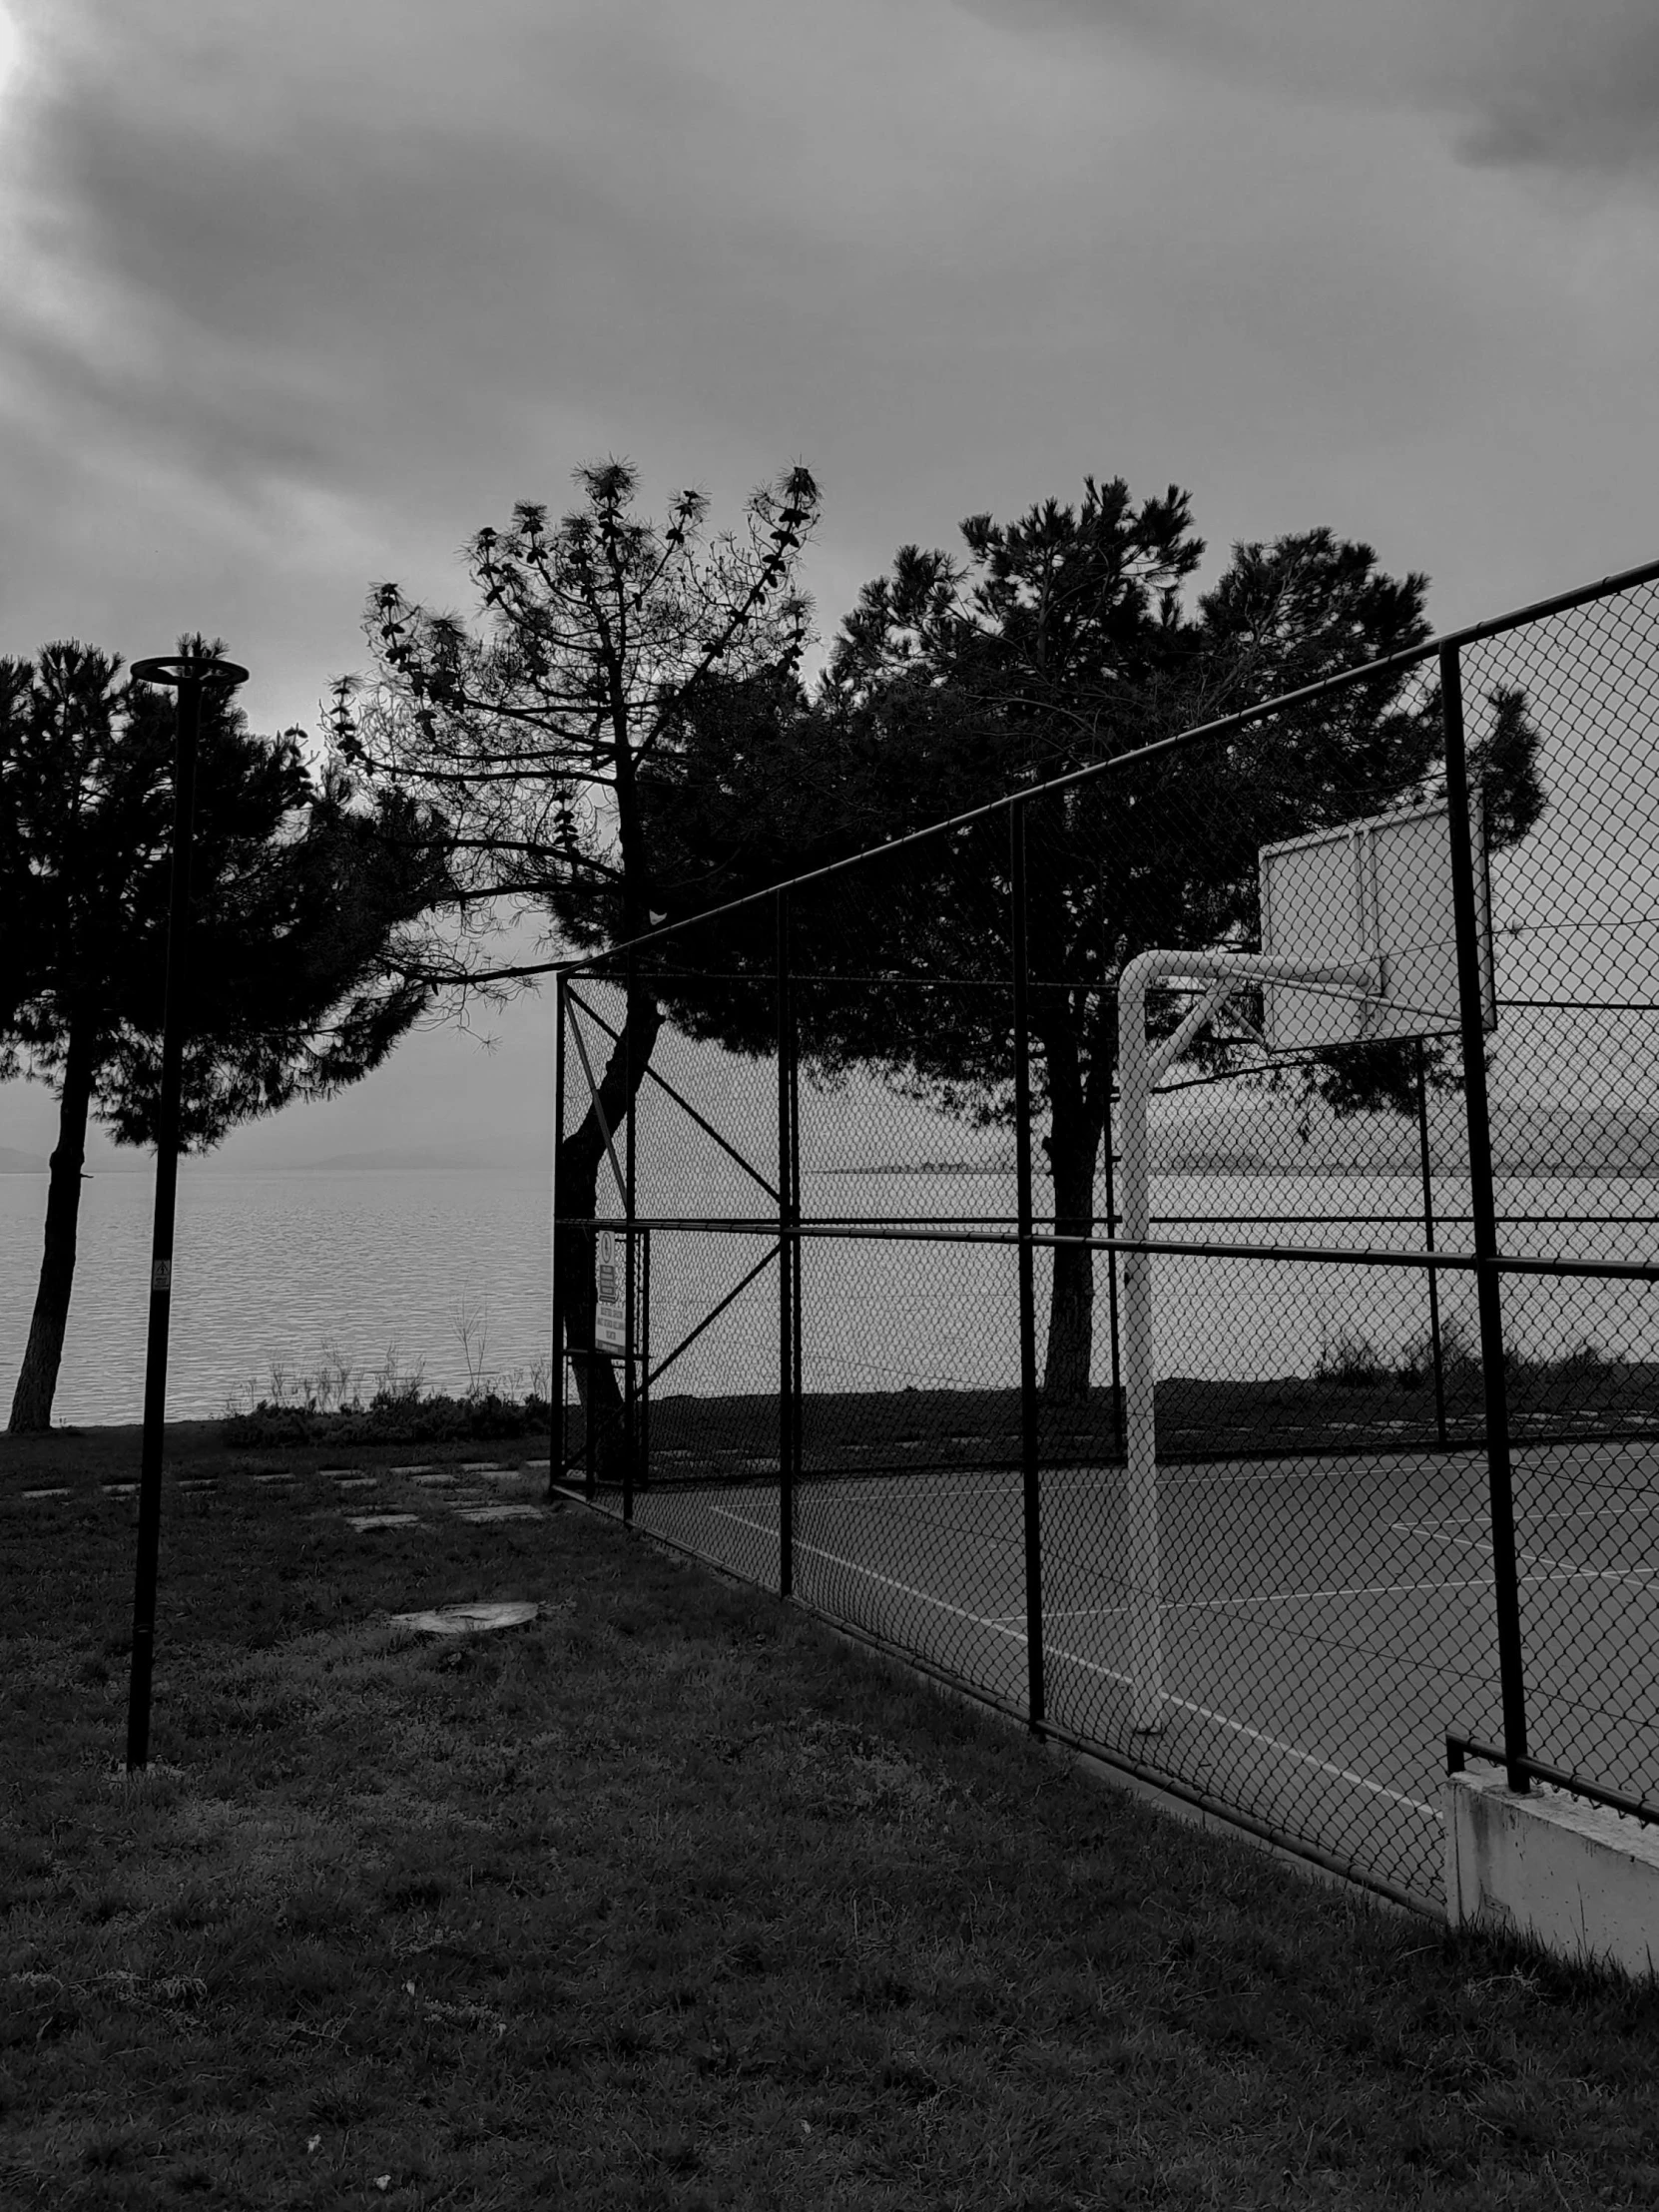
(1324, 1622)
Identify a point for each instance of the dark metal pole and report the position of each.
(796, 1243)
(645, 1358)
(1112, 1281)
(1027, 1287)
(188, 676)
(1434, 1274)
(1483, 1206)
(556, 1385)
(628, 1247)
(786, 1245)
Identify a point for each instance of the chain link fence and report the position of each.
(1173, 1249)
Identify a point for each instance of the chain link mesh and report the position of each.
(837, 1388)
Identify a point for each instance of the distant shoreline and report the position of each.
(1235, 1173)
(1218, 1169)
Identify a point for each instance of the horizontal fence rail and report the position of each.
(909, 1313)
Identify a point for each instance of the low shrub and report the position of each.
(389, 1419)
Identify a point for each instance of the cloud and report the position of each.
(1579, 89)
(316, 291)
(1520, 83)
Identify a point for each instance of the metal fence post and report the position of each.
(1112, 1278)
(785, 1261)
(1027, 1287)
(1434, 1347)
(627, 1245)
(644, 1349)
(796, 1393)
(1488, 1284)
(188, 675)
(556, 1382)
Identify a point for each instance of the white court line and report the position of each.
(1302, 1597)
(1640, 1577)
(1436, 1527)
(1551, 1570)
(1091, 1666)
(1268, 1597)
(1347, 1774)
(1071, 1613)
(852, 1566)
(1481, 1520)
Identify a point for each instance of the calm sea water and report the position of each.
(275, 1270)
(270, 1270)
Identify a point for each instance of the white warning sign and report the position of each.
(609, 1328)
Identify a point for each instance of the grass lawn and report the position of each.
(668, 1900)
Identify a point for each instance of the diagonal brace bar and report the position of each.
(599, 1111)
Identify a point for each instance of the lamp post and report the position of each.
(186, 675)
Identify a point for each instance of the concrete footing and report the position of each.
(1580, 1880)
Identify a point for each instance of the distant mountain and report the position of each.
(1231, 1135)
(1529, 1137)
(407, 1160)
(13, 1161)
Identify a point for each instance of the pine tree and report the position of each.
(299, 894)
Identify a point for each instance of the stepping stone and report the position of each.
(46, 1493)
(197, 1483)
(337, 1471)
(433, 1481)
(119, 1489)
(499, 1512)
(471, 1620)
(418, 1466)
(358, 1481)
(283, 1477)
(480, 1466)
(362, 1522)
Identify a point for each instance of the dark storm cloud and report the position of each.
(374, 248)
(1536, 83)
(295, 263)
(302, 293)
(1579, 91)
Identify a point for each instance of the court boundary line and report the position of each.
(1115, 1766)
(1092, 1666)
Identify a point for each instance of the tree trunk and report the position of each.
(37, 1380)
(1073, 1149)
(580, 1157)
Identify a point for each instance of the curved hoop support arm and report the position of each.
(1139, 1067)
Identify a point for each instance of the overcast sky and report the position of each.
(300, 296)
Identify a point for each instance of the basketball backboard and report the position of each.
(1373, 891)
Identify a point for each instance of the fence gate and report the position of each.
(678, 1371)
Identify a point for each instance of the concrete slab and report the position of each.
(471, 1620)
(1575, 1877)
(363, 1522)
(500, 1512)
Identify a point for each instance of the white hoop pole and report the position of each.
(1139, 1068)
